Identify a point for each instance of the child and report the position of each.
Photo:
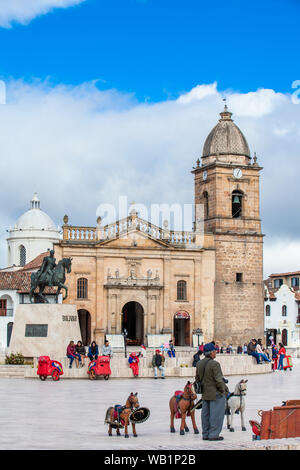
(171, 349)
(134, 364)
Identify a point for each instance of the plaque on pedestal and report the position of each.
(44, 329)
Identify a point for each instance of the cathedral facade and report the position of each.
(146, 279)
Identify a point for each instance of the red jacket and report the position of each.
(281, 351)
(70, 350)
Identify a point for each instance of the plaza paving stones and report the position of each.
(69, 414)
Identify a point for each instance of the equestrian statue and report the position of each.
(50, 274)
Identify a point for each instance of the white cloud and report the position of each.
(23, 11)
(198, 93)
(79, 147)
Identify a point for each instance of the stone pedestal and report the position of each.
(44, 329)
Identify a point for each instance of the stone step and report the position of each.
(235, 365)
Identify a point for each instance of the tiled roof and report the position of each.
(35, 263)
(19, 281)
(286, 274)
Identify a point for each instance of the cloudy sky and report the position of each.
(115, 98)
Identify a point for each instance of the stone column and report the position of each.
(100, 308)
(167, 282)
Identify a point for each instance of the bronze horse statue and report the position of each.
(182, 405)
(58, 277)
(119, 418)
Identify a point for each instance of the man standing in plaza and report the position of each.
(209, 373)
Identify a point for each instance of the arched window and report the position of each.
(22, 255)
(205, 202)
(82, 288)
(237, 204)
(268, 310)
(284, 311)
(181, 290)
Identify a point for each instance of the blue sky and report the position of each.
(116, 98)
(158, 48)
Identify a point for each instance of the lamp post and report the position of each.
(125, 333)
(198, 332)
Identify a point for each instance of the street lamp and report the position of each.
(125, 333)
(198, 332)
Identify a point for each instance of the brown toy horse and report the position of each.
(181, 404)
(121, 419)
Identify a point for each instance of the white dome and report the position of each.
(35, 219)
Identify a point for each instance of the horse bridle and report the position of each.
(131, 404)
(188, 399)
(241, 394)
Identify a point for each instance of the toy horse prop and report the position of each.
(182, 405)
(58, 277)
(119, 417)
(235, 403)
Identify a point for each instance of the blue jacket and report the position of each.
(90, 351)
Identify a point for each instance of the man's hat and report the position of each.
(209, 347)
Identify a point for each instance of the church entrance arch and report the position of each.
(182, 328)
(133, 322)
(85, 326)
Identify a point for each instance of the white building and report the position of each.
(282, 315)
(34, 233)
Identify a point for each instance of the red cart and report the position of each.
(287, 363)
(47, 366)
(99, 367)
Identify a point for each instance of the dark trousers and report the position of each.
(256, 355)
(93, 358)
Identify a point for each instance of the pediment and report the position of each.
(136, 239)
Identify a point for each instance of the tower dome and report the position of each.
(226, 139)
(33, 233)
(35, 218)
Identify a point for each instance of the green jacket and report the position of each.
(158, 360)
(213, 378)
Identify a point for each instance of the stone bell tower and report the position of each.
(227, 184)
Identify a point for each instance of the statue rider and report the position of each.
(46, 270)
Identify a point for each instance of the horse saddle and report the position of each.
(178, 395)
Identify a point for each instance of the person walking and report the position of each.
(93, 352)
(72, 354)
(209, 373)
(281, 354)
(158, 361)
(251, 350)
(274, 356)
